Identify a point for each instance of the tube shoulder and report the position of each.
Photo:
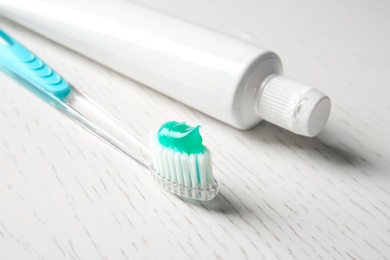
(248, 92)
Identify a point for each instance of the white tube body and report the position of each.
(209, 71)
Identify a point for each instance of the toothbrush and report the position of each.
(177, 159)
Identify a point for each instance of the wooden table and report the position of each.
(64, 194)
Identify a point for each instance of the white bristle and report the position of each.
(171, 163)
(202, 170)
(193, 170)
(165, 159)
(185, 170)
(178, 167)
(188, 175)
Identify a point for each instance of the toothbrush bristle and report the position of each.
(187, 175)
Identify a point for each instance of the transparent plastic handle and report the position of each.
(85, 111)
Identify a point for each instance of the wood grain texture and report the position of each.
(64, 194)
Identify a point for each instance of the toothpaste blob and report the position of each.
(181, 137)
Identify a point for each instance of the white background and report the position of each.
(64, 194)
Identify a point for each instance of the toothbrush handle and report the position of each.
(16, 59)
(23, 65)
(89, 114)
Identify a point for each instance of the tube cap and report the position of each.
(293, 106)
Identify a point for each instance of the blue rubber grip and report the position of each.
(19, 60)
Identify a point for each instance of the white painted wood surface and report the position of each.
(64, 194)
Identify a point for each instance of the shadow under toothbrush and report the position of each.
(220, 204)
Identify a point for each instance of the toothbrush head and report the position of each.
(181, 163)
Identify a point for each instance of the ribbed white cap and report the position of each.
(293, 106)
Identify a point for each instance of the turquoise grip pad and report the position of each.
(19, 60)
